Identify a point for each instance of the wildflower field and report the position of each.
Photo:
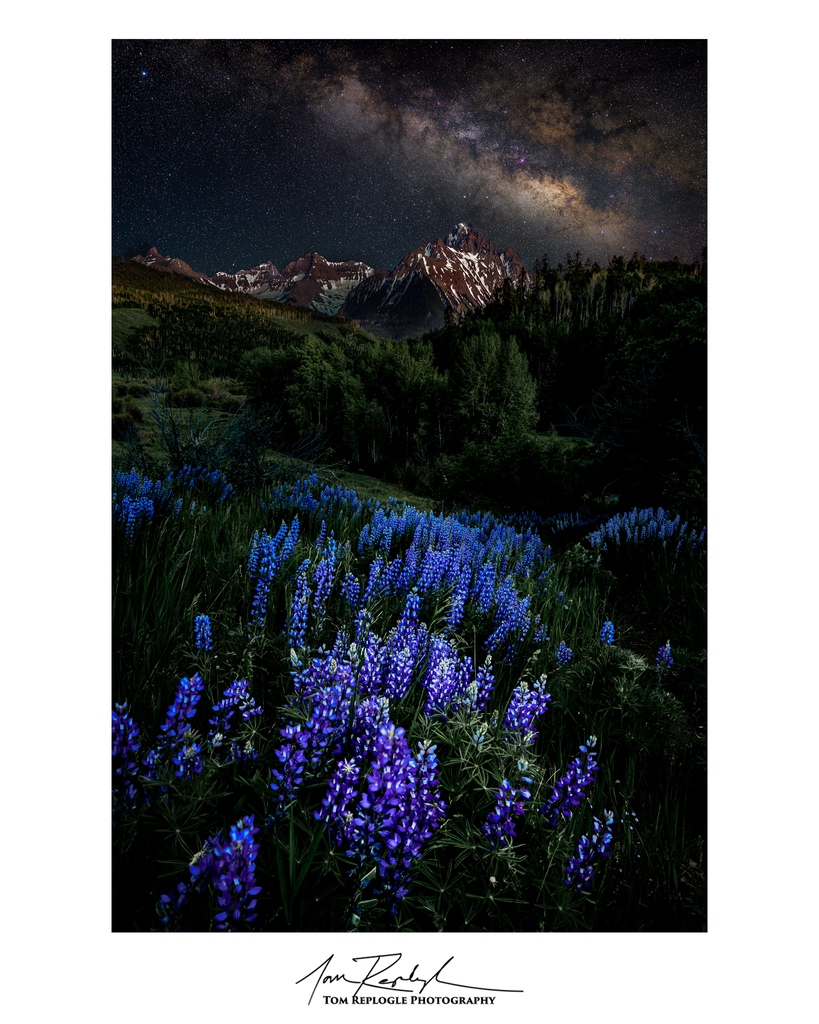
(335, 714)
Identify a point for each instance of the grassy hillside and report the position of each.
(160, 318)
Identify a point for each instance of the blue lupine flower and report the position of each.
(647, 526)
(664, 659)
(235, 697)
(447, 678)
(384, 818)
(266, 556)
(342, 790)
(607, 633)
(524, 707)
(325, 688)
(183, 708)
(351, 590)
(483, 686)
(202, 633)
(300, 608)
(564, 654)
(125, 747)
(571, 786)
(510, 803)
(229, 867)
(188, 760)
(173, 742)
(323, 577)
(459, 596)
(580, 868)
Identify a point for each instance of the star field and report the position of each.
(227, 153)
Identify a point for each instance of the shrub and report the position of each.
(187, 398)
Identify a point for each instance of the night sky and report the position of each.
(227, 153)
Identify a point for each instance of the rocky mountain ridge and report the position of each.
(461, 272)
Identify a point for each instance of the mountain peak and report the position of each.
(467, 238)
(461, 272)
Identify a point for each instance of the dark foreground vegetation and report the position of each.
(377, 707)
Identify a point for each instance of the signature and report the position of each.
(379, 975)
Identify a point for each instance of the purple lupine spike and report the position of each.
(202, 633)
(581, 867)
(664, 659)
(564, 654)
(235, 697)
(525, 706)
(228, 866)
(323, 578)
(607, 633)
(383, 817)
(351, 591)
(510, 803)
(570, 788)
(125, 745)
(300, 608)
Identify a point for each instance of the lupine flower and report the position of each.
(342, 790)
(385, 817)
(564, 654)
(262, 565)
(234, 698)
(483, 686)
(188, 761)
(351, 590)
(447, 678)
(183, 708)
(232, 874)
(173, 736)
(459, 596)
(202, 633)
(323, 578)
(664, 659)
(326, 688)
(607, 633)
(571, 786)
(293, 757)
(580, 868)
(229, 867)
(299, 610)
(510, 803)
(647, 526)
(525, 706)
(125, 747)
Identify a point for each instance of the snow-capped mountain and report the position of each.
(248, 281)
(461, 272)
(317, 284)
(252, 281)
(311, 282)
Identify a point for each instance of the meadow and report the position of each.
(336, 712)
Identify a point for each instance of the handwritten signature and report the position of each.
(379, 976)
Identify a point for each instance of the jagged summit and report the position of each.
(461, 273)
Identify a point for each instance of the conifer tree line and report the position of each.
(575, 382)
